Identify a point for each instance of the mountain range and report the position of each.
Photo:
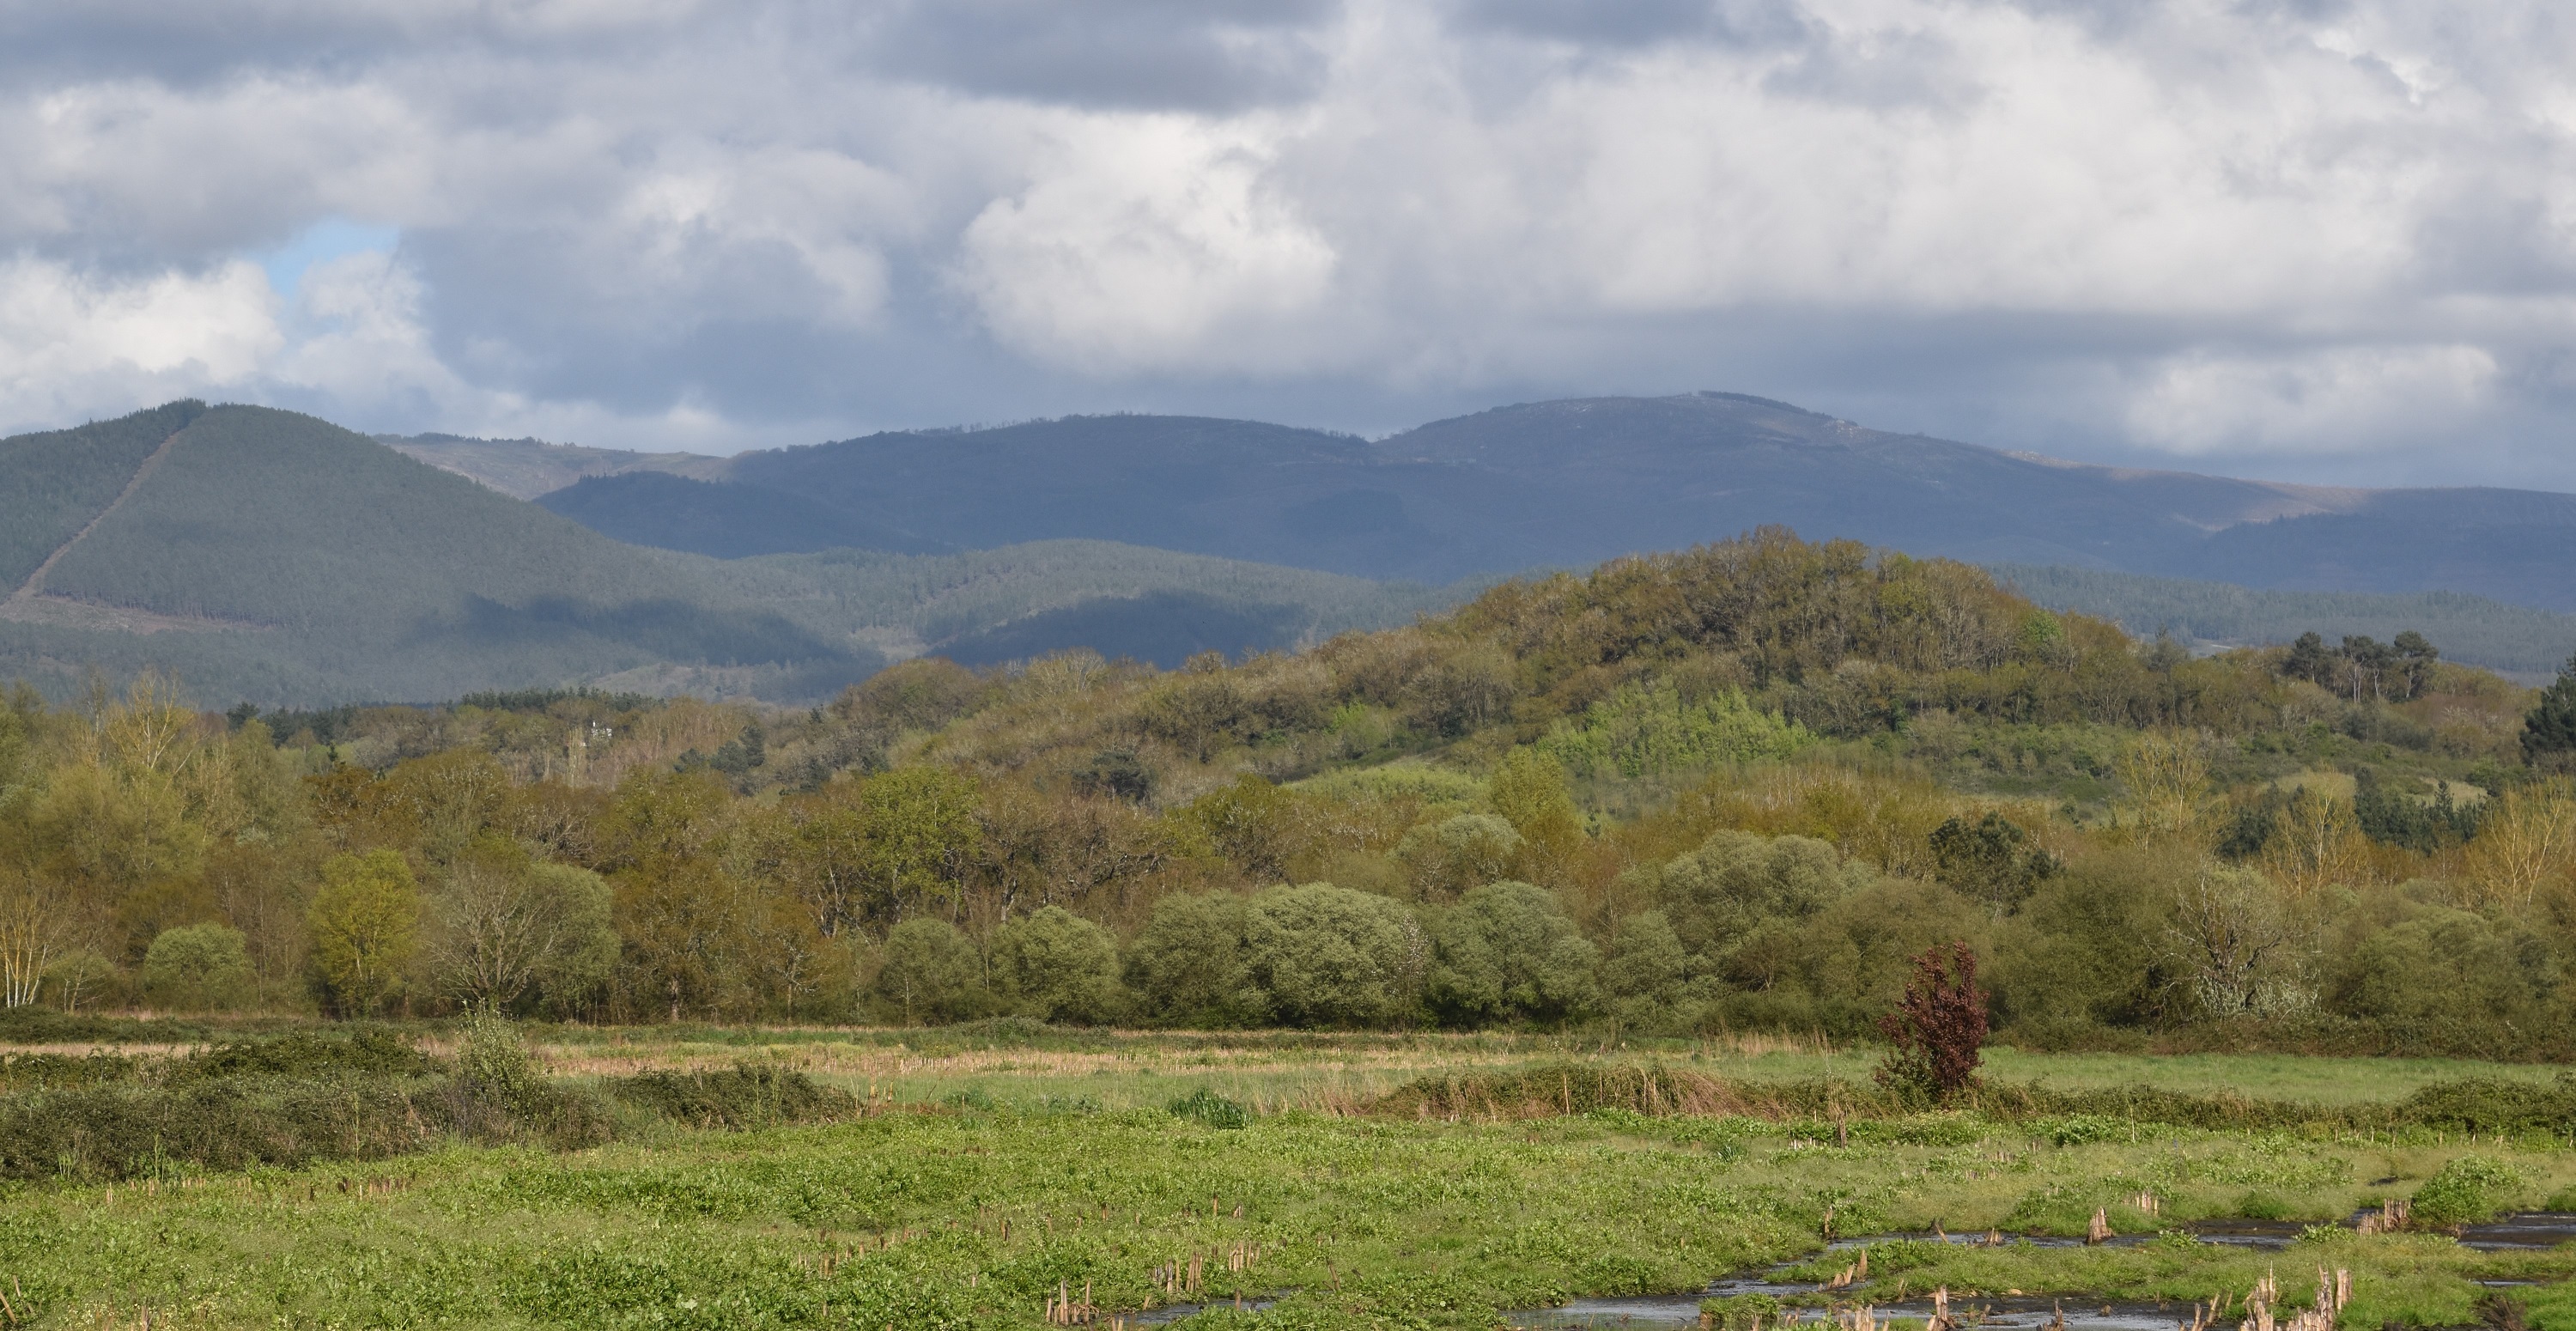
(1554, 484)
(275, 558)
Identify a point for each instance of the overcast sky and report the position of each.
(2301, 239)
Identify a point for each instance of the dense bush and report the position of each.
(747, 1095)
(309, 1055)
(2467, 1188)
(1058, 966)
(197, 967)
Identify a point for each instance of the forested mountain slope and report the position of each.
(277, 558)
(1574, 482)
(526, 468)
(2513, 639)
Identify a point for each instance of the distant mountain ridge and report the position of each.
(1570, 483)
(271, 557)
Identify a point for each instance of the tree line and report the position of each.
(1737, 787)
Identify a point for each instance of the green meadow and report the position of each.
(970, 1179)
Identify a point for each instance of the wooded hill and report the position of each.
(273, 557)
(1731, 788)
(1568, 484)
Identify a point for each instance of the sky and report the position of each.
(2296, 239)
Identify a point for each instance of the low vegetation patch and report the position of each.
(746, 1095)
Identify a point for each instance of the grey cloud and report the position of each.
(1630, 23)
(1356, 214)
(1205, 55)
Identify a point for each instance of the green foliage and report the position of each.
(493, 1066)
(1991, 860)
(1190, 966)
(2488, 1105)
(308, 1056)
(1059, 966)
(365, 922)
(1649, 730)
(1209, 1109)
(745, 1096)
(2464, 1189)
(930, 972)
(1644, 964)
(2549, 731)
(1457, 853)
(2446, 969)
(1508, 953)
(197, 967)
(1327, 956)
(1736, 884)
(1528, 790)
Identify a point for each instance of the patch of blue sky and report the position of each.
(321, 242)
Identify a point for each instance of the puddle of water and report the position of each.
(2521, 1231)
(2000, 1314)
(2524, 1230)
(1174, 1312)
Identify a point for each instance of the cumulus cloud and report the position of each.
(73, 345)
(2337, 241)
(2337, 399)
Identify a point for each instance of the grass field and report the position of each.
(987, 1172)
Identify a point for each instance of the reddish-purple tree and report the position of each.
(1934, 1033)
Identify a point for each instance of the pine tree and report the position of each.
(2549, 732)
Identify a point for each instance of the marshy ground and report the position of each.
(981, 1179)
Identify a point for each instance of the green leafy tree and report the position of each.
(1991, 860)
(1528, 790)
(1458, 853)
(198, 966)
(919, 835)
(2549, 731)
(1643, 968)
(1717, 896)
(366, 924)
(1189, 966)
(1507, 952)
(930, 972)
(1328, 956)
(1059, 966)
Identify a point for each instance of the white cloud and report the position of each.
(2191, 226)
(1144, 244)
(2336, 400)
(75, 345)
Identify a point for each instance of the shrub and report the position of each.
(2493, 1104)
(1935, 1031)
(1507, 952)
(930, 973)
(2083, 1129)
(1188, 965)
(1207, 1108)
(1328, 956)
(306, 1055)
(2468, 1188)
(40, 1072)
(112, 1132)
(1060, 966)
(198, 966)
(748, 1095)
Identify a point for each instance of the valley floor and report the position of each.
(986, 1178)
